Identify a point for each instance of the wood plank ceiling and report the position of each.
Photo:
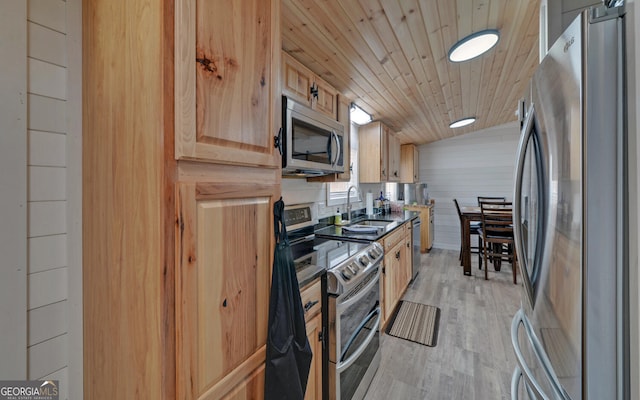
(390, 57)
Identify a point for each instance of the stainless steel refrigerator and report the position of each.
(571, 335)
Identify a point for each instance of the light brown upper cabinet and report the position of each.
(227, 107)
(303, 86)
(394, 158)
(409, 163)
(378, 154)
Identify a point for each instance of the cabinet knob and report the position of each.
(397, 255)
(309, 305)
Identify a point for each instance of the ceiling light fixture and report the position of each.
(358, 115)
(474, 45)
(462, 122)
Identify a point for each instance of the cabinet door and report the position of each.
(394, 158)
(314, 384)
(296, 80)
(408, 163)
(384, 153)
(227, 98)
(222, 294)
(392, 277)
(251, 388)
(416, 164)
(326, 100)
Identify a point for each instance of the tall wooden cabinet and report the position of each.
(222, 294)
(179, 169)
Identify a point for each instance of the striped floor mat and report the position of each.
(415, 322)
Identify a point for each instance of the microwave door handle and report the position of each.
(338, 148)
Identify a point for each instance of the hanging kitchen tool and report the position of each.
(288, 351)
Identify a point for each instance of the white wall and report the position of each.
(48, 273)
(41, 169)
(464, 167)
(74, 198)
(13, 190)
(633, 73)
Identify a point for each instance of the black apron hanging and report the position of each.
(288, 350)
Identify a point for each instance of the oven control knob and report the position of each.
(364, 260)
(374, 253)
(353, 267)
(346, 274)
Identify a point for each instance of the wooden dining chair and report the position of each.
(489, 199)
(474, 230)
(497, 235)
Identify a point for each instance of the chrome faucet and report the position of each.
(349, 201)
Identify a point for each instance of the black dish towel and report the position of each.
(288, 350)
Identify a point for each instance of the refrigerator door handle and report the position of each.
(535, 387)
(515, 383)
(526, 132)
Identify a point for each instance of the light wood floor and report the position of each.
(473, 358)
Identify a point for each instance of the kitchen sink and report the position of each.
(374, 222)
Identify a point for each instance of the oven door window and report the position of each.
(352, 317)
(359, 353)
(314, 144)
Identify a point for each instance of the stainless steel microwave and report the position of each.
(311, 143)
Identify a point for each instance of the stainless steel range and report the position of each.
(353, 289)
(351, 301)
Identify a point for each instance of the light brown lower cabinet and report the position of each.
(223, 258)
(314, 384)
(311, 295)
(396, 271)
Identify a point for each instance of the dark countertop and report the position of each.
(309, 275)
(338, 233)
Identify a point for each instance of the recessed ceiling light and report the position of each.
(359, 116)
(462, 122)
(474, 45)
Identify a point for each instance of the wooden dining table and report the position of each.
(468, 214)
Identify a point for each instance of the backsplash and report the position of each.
(296, 191)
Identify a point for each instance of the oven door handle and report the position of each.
(362, 292)
(347, 363)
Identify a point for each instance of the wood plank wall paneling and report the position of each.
(633, 60)
(13, 189)
(73, 374)
(464, 167)
(48, 269)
